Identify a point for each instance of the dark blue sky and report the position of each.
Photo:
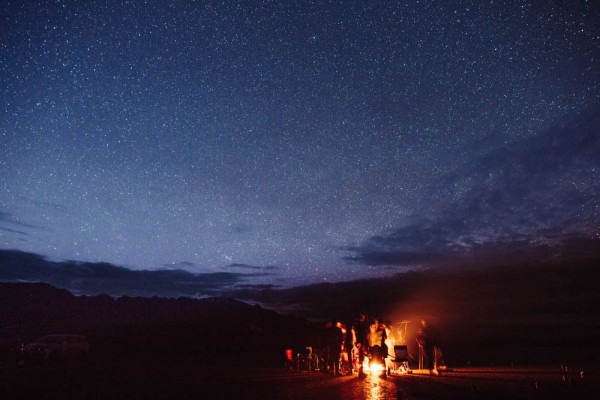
(291, 142)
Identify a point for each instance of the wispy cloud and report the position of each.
(516, 199)
(13, 231)
(543, 181)
(253, 267)
(7, 218)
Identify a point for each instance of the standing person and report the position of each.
(349, 343)
(345, 358)
(361, 331)
(428, 342)
(377, 348)
(334, 339)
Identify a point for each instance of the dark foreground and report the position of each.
(154, 378)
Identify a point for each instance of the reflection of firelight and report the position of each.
(376, 392)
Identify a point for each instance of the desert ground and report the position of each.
(139, 377)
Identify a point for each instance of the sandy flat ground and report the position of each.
(190, 378)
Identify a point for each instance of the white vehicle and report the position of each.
(53, 347)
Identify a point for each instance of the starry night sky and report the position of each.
(292, 142)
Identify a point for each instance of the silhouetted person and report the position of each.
(349, 341)
(361, 331)
(334, 339)
(429, 341)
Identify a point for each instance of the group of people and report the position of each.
(354, 341)
(368, 337)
